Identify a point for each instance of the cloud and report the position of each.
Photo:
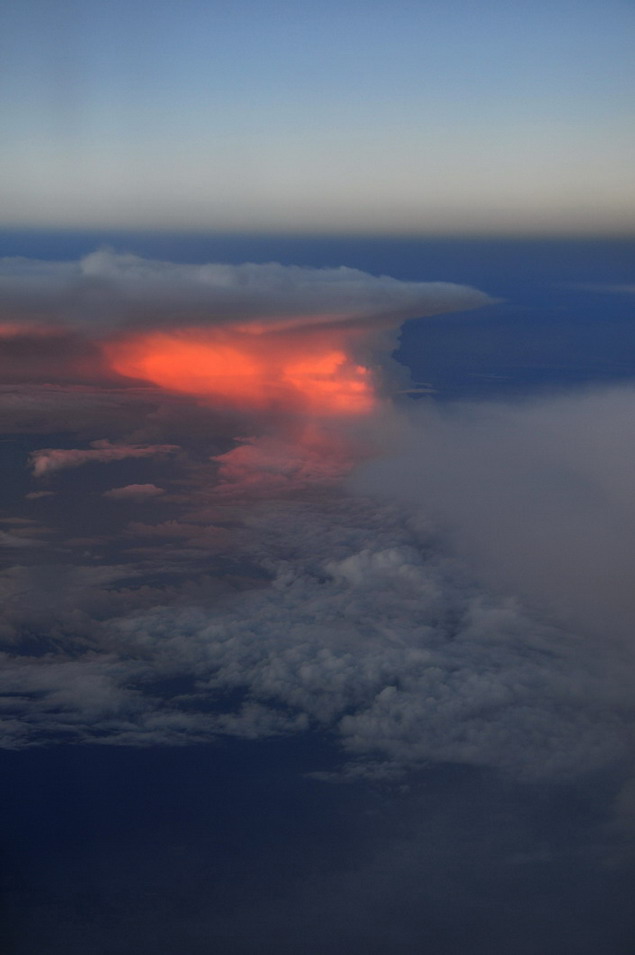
(419, 584)
(360, 627)
(134, 492)
(435, 598)
(535, 495)
(48, 460)
(8, 539)
(90, 410)
(22, 532)
(107, 288)
(99, 339)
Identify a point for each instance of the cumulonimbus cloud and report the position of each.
(105, 289)
(280, 339)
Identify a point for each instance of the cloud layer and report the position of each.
(415, 584)
(354, 622)
(105, 289)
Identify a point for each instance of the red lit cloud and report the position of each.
(252, 337)
(249, 371)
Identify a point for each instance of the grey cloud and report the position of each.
(461, 603)
(460, 600)
(22, 532)
(106, 288)
(48, 460)
(7, 539)
(386, 645)
(58, 319)
(537, 496)
(32, 408)
(134, 492)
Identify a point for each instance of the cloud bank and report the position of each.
(105, 289)
(414, 584)
(111, 328)
(536, 496)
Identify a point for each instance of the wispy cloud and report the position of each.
(48, 460)
(134, 492)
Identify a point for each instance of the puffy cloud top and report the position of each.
(105, 289)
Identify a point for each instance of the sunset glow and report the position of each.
(192, 367)
(331, 383)
(258, 373)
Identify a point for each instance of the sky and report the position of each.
(317, 530)
(276, 116)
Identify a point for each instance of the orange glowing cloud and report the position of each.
(191, 366)
(306, 373)
(331, 383)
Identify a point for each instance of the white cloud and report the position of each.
(364, 630)
(537, 496)
(106, 288)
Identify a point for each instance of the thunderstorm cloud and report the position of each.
(273, 545)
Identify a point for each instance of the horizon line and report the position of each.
(491, 235)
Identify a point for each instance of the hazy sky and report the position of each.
(272, 115)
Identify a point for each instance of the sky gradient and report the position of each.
(317, 443)
(403, 118)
